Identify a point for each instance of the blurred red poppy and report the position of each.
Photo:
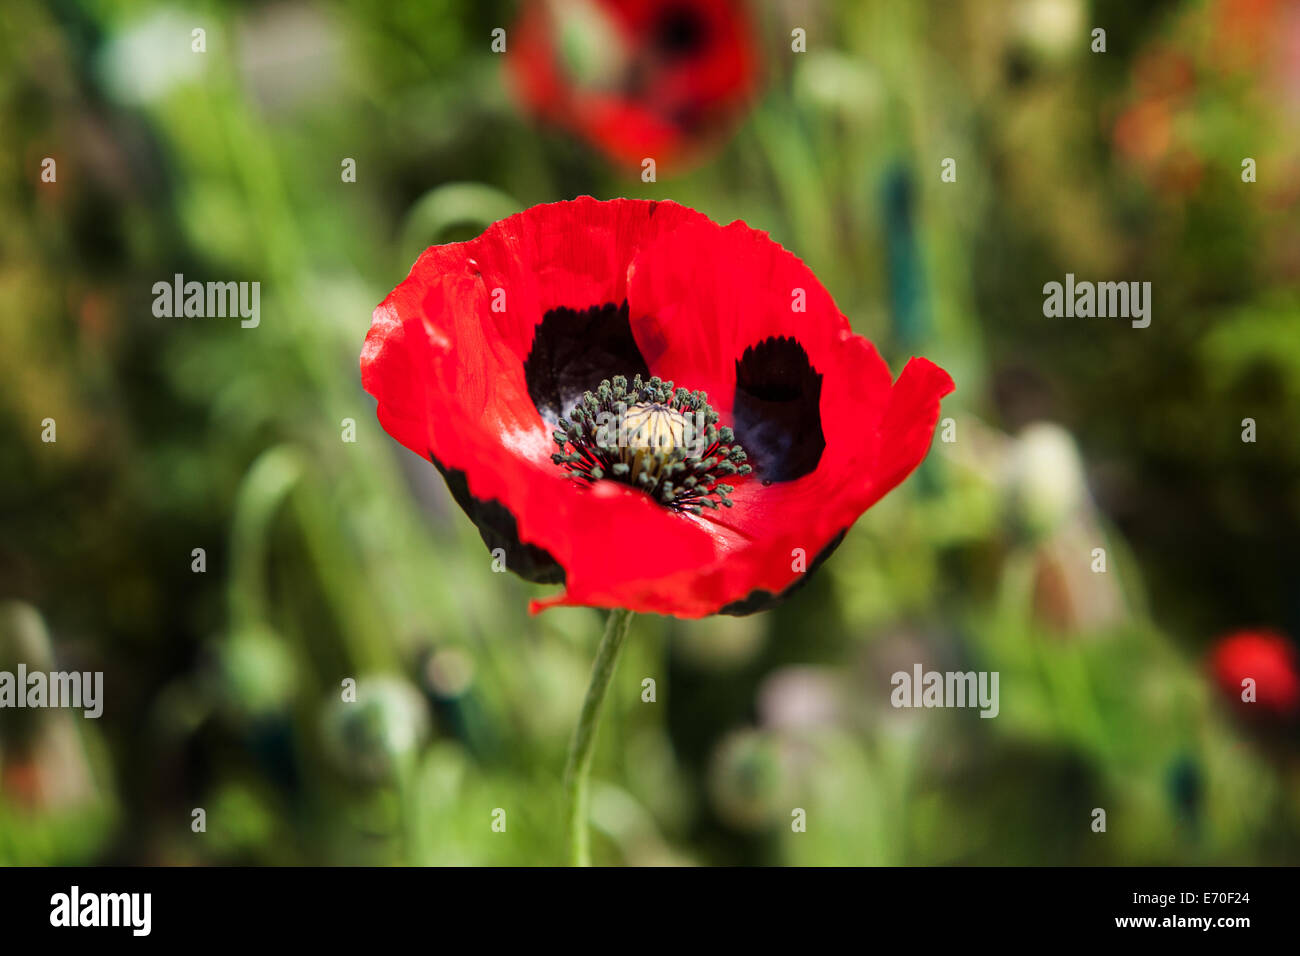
(638, 79)
(495, 357)
(1268, 659)
(1145, 131)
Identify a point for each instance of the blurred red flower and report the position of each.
(495, 357)
(1266, 657)
(636, 78)
(1164, 88)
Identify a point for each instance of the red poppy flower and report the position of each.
(1269, 659)
(637, 78)
(495, 357)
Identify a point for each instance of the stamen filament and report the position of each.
(651, 436)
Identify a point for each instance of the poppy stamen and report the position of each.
(648, 434)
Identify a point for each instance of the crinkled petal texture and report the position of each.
(456, 353)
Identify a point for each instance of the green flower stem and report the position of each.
(577, 771)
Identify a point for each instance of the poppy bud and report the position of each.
(1045, 480)
(745, 779)
(256, 674)
(367, 738)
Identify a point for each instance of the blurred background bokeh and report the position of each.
(328, 559)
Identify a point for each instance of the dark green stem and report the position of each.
(577, 771)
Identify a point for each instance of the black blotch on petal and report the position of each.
(757, 601)
(777, 411)
(498, 529)
(679, 31)
(573, 350)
